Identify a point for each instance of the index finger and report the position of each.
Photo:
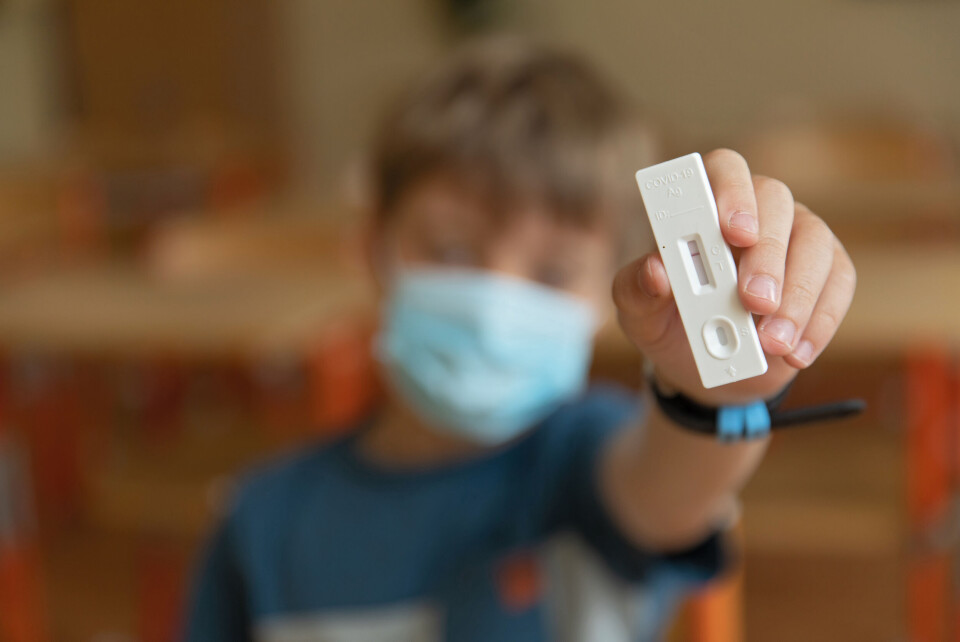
(733, 190)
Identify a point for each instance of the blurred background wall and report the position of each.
(29, 76)
(708, 71)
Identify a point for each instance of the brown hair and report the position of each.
(519, 124)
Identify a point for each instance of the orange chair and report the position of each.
(931, 473)
(20, 575)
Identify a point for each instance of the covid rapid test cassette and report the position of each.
(703, 276)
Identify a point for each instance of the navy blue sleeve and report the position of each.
(574, 439)
(218, 610)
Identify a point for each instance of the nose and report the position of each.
(508, 256)
(509, 268)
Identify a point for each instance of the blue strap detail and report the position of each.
(730, 423)
(757, 419)
(743, 422)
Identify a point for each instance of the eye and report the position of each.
(452, 253)
(557, 275)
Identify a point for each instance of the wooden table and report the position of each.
(906, 296)
(120, 312)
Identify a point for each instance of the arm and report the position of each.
(667, 488)
(664, 487)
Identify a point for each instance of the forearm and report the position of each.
(667, 488)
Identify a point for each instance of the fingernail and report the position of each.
(745, 222)
(780, 330)
(804, 353)
(764, 287)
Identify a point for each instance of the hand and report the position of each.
(794, 275)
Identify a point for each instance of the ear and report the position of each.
(358, 193)
(373, 239)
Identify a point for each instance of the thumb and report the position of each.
(645, 305)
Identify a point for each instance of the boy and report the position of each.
(503, 192)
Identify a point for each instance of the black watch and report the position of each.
(751, 421)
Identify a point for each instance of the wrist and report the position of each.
(737, 394)
(724, 422)
(750, 421)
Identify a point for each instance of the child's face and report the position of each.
(438, 224)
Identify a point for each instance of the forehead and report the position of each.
(445, 205)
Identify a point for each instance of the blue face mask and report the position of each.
(483, 355)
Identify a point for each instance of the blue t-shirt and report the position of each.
(329, 546)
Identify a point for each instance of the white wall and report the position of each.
(712, 68)
(27, 83)
(709, 69)
(341, 60)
